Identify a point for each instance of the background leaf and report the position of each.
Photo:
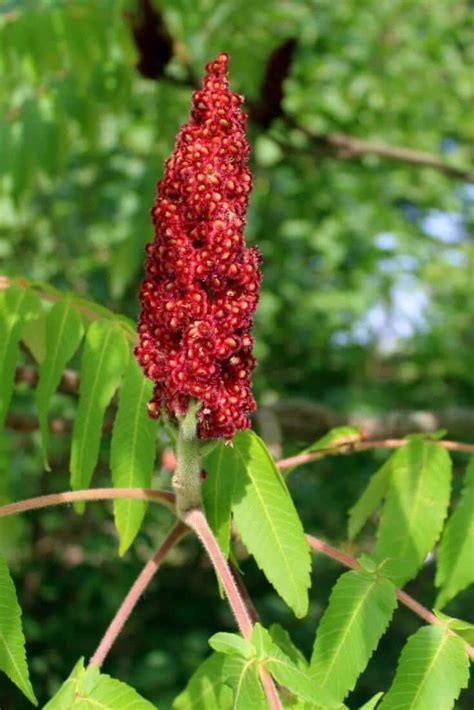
(17, 306)
(12, 641)
(415, 508)
(132, 450)
(105, 356)
(64, 331)
(432, 670)
(455, 568)
(267, 520)
(360, 608)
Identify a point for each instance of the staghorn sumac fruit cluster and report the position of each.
(202, 282)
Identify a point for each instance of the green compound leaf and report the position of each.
(455, 569)
(206, 689)
(64, 331)
(17, 306)
(415, 508)
(432, 670)
(12, 641)
(360, 609)
(132, 451)
(217, 492)
(267, 520)
(104, 359)
(89, 689)
(371, 498)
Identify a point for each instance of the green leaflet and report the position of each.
(205, 690)
(12, 641)
(461, 627)
(432, 670)
(360, 609)
(228, 643)
(243, 676)
(17, 306)
(455, 569)
(105, 356)
(336, 437)
(86, 689)
(371, 497)
(267, 520)
(282, 639)
(222, 470)
(132, 451)
(64, 331)
(372, 703)
(415, 508)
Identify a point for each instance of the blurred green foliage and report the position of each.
(368, 289)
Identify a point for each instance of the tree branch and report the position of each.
(403, 597)
(164, 497)
(354, 447)
(135, 592)
(346, 147)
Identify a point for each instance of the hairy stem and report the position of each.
(135, 592)
(164, 497)
(196, 520)
(187, 477)
(403, 597)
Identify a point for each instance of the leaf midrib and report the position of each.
(429, 668)
(24, 680)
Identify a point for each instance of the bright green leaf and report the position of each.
(17, 306)
(372, 703)
(336, 437)
(267, 520)
(132, 450)
(282, 639)
(415, 508)
(455, 570)
(232, 644)
(88, 688)
(243, 676)
(206, 689)
(12, 641)
(432, 670)
(105, 356)
(64, 330)
(461, 627)
(217, 492)
(360, 609)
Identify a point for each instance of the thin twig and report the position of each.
(349, 561)
(354, 447)
(135, 592)
(164, 497)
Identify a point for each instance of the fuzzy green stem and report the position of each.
(187, 478)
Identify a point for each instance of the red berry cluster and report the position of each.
(202, 282)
